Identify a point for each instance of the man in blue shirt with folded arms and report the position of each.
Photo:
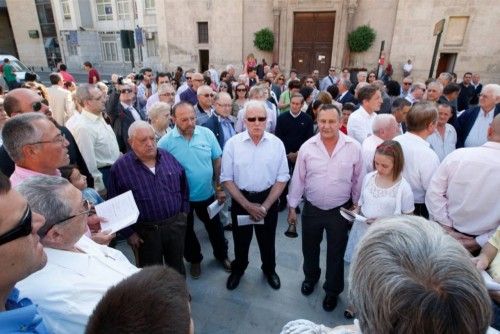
(21, 254)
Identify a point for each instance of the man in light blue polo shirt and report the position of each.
(198, 151)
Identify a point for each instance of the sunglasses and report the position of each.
(406, 83)
(126, 91)
(207, 95)
(22, 229)
(241, 90)
(36, 106)
(167, 94)
(188, 78)
(253, 119)
(281, 78)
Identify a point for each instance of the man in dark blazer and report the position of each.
(478, 87)
(344, 94)
(472, 124)
(124, 114)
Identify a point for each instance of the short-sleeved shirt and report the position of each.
(196, 156)
(8, 73)
(93, 73)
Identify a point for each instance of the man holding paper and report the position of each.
(158, 183)
(328, 173)
(254, 172)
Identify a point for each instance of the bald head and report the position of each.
(21, 100)
(494, 130)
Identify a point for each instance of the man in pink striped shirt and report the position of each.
(328, 173)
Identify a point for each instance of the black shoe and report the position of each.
(307, 288)
(297, 210)
(329, 303)
(232, 281)
(273, 280)
(228, 227)
(226, 264)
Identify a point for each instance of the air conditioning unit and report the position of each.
(150, 35)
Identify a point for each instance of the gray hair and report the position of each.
(254, 104)
(157, 108)
(165, 87)
(102, 87)
(382, 121)
(221, 94)
(346, 83)
(139, 125)
(417, 85)
(256, 91)
(494, 88)
(46, 195)
(447, 76)
(230, 67)
(408, 276)
(82, 93)
(19, 131)
(437, 85)
(203, 89)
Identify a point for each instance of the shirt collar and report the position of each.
(125, 106)
(416, 138)
(28, 172)
(89, 115)
(294, 115)
(365, 113)
(176, 133)
(246, 136)
(492, 144)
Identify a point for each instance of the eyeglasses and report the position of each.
(22, 229)
(87, 208)
(241, 90)
(224, 105)
(222, 87)
(207, 95)
(281, 78)
(197, 80)
(126, 91)
(167, 94)
(406, 83)
(332, 70)
(253, 119)
(188, 78)
(36, 106)
(60, 139)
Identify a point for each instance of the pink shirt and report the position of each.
(20, 174)
(66, 76)
(327, 181)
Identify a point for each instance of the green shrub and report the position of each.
(361, 39)
(264, 40)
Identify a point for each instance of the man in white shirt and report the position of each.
(463, 193)
(444, 138)
(254, 197)
(384, 128)
(420, 160)
(94, 136)
(416, 94)
(360, 122)
(78, 271)
(60, 101)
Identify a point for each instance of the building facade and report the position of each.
(309, 34)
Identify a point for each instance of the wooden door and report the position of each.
(312, 41)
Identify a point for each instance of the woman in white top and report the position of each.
(384, 193)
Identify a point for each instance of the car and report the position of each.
(19, 67)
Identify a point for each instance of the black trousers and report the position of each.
(314, 222)
(192, 248)
(266, 234)
(163, 241)
(421, 210)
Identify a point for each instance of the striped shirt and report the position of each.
(159, 195)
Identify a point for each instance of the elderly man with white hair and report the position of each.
(434, 91)
(159, 184)
(165, 93)
(472, 124)
(78, 271)
(407, 266)
(385, 127)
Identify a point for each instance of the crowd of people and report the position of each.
(346, 145)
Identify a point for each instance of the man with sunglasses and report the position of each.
(21, 254)
(254, 172)
(36, 145)
(190, 94)
(165, 93)
(204, 107)
(185, 85)
(78, 271)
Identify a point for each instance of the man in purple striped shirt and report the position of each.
(158, 183)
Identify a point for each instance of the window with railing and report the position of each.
(104, 10)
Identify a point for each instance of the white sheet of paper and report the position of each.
(120, 212)
(351, 216)
(246, 220)
(214, 208)
(489, 282)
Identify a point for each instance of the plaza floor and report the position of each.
(254, 307)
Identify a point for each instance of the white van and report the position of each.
(19, 67)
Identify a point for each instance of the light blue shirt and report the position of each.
(196, 156)
(478, 134)
(443, 146)
(21, 316)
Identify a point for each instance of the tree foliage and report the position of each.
(264, 40)
(361, 39)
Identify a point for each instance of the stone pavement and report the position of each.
(254, 307)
